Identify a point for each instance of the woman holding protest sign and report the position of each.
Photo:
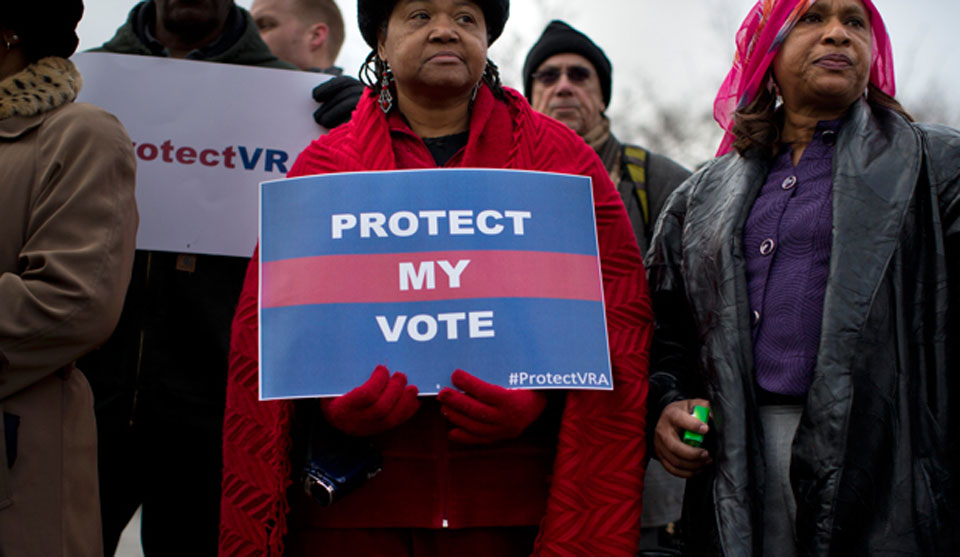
(806, 288)
(68, 224)
(479, 469)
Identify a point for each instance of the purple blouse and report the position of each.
(787, 241)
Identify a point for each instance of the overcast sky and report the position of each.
(680, 49)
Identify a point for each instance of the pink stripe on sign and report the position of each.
(416, 277)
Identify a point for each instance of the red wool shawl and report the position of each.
(594, 504)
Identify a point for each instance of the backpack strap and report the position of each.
(635, 160)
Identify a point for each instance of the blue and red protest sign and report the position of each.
(494, 272)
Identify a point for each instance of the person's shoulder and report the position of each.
(334, 140)
(125, 40)
(81, 132)
(543, 140)
(941, 146)
(80, 113)
(661, 169)
(940, 136)
(669, 168)
(712, 177)
(324, 154)
(87, 120)
(723, 164)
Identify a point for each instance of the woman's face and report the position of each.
(12, 59)
(436, 48)
(824, 63)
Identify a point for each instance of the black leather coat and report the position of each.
(875, 466)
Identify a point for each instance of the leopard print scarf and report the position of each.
(44, 85)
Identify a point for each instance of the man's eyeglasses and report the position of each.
(576, 74)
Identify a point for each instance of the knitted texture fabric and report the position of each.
(594, 505)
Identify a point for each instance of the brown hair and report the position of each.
(757, 126)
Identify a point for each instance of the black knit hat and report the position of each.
(45, 27)
(371, 14)
(560, 38)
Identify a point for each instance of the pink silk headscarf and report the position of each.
(759, 40)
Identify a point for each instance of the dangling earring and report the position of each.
(386, 97)
(476, 88)
(10, 41)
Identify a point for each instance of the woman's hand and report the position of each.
(485, 413)
(379, 405)
(677, 457)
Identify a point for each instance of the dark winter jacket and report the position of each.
(661, 176)
(875, 462)
(239, 44)
(167, 358)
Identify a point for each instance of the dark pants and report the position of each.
(413, 542)
(174, 471)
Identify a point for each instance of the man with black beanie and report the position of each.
(568, 77)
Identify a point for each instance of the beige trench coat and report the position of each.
(67, 233)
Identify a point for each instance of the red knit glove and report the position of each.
(484, 413)
(379, 405)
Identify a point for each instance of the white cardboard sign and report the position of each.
(205, 134)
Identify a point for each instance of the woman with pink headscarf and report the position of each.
(806, 286)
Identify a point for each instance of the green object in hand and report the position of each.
(695, 439)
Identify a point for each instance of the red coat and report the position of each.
(594, 501)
